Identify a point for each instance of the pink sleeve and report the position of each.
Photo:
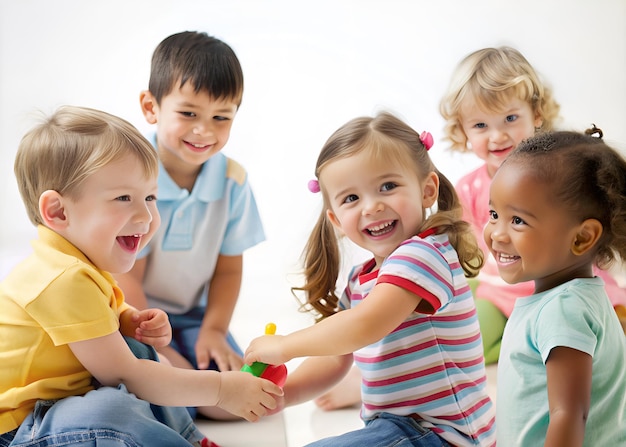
(616, 294)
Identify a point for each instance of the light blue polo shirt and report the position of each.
(219, 216)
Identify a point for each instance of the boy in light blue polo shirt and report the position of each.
(192, 268)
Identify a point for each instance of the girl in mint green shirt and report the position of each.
(557, 208)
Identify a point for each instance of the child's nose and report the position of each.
(202, 128)
(371, 206)
(498, 135)
(143, 214)
(495, 232)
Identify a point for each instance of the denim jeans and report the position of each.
(387, 430)
(105, 417)
(185, 331)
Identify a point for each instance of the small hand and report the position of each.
(247, 396)
(212, 344)
(266, 349)
(153, 327)
(280, 406)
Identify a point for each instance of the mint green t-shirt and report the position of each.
(578, 315)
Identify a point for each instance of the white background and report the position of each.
(309, 67)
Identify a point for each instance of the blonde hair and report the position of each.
(384, 137)
(491, 78)
(68, 146)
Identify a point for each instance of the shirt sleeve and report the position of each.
(564, 321)
(419, 267)
(76, 306)
(244, 228)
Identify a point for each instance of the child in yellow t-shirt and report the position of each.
(74, 356)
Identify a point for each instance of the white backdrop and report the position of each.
(309, 67)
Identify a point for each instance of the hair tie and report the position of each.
(594, 132)
(314, 186)
(427, 139)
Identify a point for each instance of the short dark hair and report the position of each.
(205, 61)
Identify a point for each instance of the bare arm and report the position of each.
(569, 395)
(131, 284)
(221, 301)
(384, 309)
(110, 361)
(315, 376)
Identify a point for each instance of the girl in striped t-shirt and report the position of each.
(407, 316)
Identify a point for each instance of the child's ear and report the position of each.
(148, 106)
(538, 122)
(332, 217)
(588, 234)
(52, 210)
(430, 190)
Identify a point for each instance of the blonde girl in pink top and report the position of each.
(494, 101)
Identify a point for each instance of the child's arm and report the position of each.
(569, 374)
(111, 362)
(342, 333)
(131, 284)
(221, 301)
(313, 377)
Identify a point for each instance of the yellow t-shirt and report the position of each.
(54, 297)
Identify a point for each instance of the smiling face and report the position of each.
(493, 135)
(113, 217)
(377, 204)
(192, 126)
(530, 234)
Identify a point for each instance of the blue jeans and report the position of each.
(185, 331)
(387, 430)
(105, 417)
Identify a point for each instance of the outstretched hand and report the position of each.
(247, 396)
(266, 349)
(152, 327)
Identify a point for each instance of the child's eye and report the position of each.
(511, 118)
(188, 114)
(493, 215)
(221, 118)
(125, 198)
(351, 198)
(517, 221)
(480, 125)
(151, 198)
(388, 186)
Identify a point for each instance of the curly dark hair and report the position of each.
(587, 176)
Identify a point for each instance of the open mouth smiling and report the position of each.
(501, 152)
(197, 146)
(129, 243)
(381, 229)
(506, 259)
